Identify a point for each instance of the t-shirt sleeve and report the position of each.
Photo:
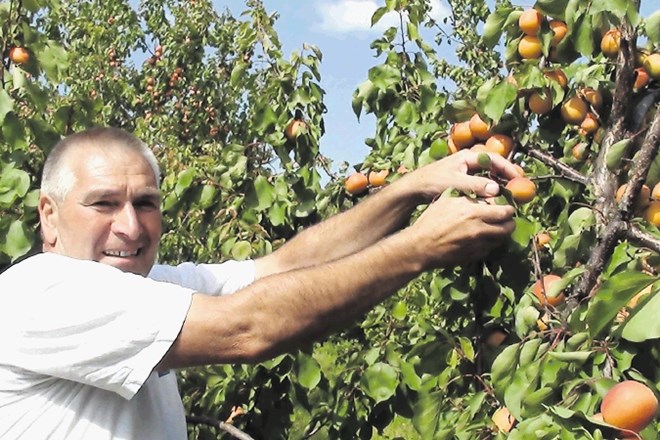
(89, 322)
(213, 279)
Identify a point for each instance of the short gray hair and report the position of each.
(57, 179)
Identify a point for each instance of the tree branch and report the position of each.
(599, 256)
(642, 238)
(230, 429)
(566, 171)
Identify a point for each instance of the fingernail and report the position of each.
(492, 189)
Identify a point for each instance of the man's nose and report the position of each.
(126, 222)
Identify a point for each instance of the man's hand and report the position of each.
(457, 230)
(455, 171)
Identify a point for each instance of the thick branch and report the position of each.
(566, 171)
(599, 256)
(642, 239)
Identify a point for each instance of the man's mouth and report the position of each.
(122, 254)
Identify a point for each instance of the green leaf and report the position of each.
(384, 76)
(505, 364)
(207, 196)
(237, 74)
(17, 242)
(612, 295)
(380, 381)
(553, 8)
(616, 7)
(652, 26)
(406, 114)
(260, 195)
(309, 371)
(14, 183)
(501, 97)
(494, 26)
(241, 250)
(378, 14)
(644, 324)
(184, 180)
(571, 356)
(6, 104)
(427, 413)
(615, 153)
(583, 31)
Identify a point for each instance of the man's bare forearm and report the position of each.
(344, 234)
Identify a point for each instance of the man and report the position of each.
(87, 348)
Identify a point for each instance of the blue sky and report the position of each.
(341, 29)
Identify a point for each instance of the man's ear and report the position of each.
(48, 214)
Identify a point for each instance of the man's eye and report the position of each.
(149, 204)
(103, 204)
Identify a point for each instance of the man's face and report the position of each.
(112, 213)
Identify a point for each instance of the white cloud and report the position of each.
(343, 16)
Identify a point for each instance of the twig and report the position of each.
(230, 429)
(642, 238)
(566, 171)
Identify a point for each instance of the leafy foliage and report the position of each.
(214, 95)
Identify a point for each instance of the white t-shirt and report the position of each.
(79, 341)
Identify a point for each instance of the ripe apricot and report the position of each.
(530, 47)
(655, 193)
(579, 151)
(559, 76)
(461, 134)
(652, 65)
(574, 110)
(653, 213)
(500, 144)
(530, 21)
(479, 147)
(642, 78)
(544, 285)
(522, 189)
(642, 200)
(479, 128)
(590, 123)
(540, 104)
(294, 129)
(592, 96)
(541, 239)
(377, 178)
(356, 183)
(609, 44)
(19, 55)
(629, 405)
(503, 419)
(559, 30)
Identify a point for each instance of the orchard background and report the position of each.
(475, 352)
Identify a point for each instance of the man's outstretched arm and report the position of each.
(383, 213)
(280, 312)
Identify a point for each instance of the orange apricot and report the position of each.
(629, 405)
(500, 144)
(574, 110)
(530, 47)
(559, 76)
(540, 104)
(592, 96)
(530, 21)
(377, 178)
(609, 44)
(479, 128)
(522, 189)
(590, 123)
(461, 134)
(559, 30)
(356, 183)
(653, 213)
(642, 78)
(541, 287)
